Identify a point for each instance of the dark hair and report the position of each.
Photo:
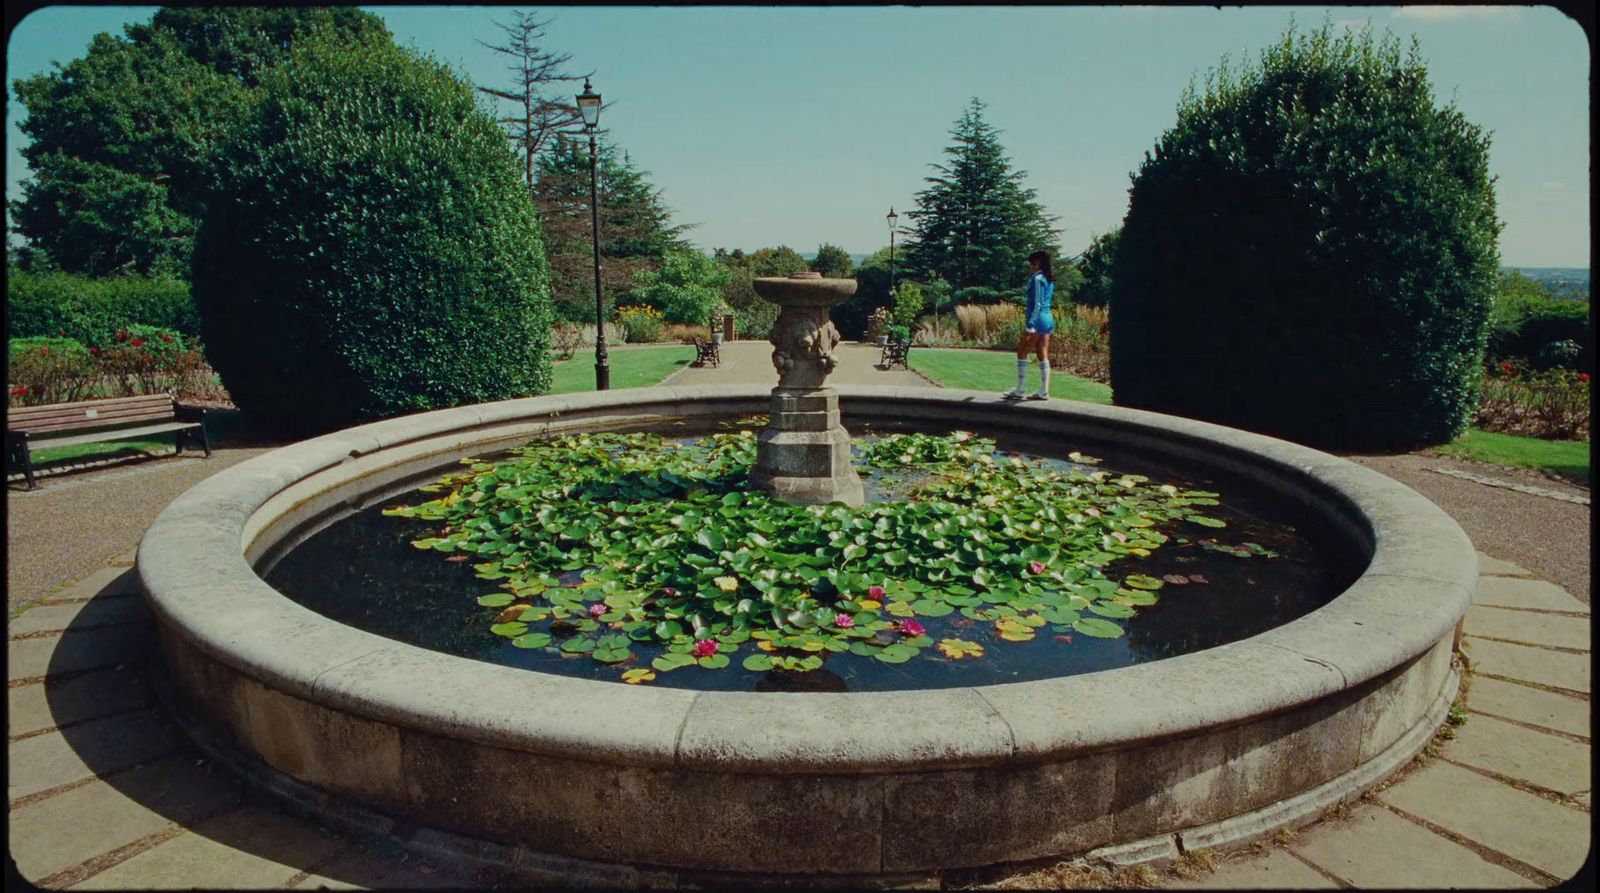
(1042, 258)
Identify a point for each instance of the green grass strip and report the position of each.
(632, 368)
(1564, 457)
(994, 370)
(79, 452)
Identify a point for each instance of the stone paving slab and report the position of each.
(1536, 757)
(1527, 626)
(85, 751)
(45, 705)
(79, 615)
(1376, 848)
(107, 581)
(1529, 664)
(71, 652)
(1488, 564)
(250, 848)
(1551, 837)
(1277, 870)
(50, 835)
(1510, 592)
(1530, 705)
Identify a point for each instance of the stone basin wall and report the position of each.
(1210, 748)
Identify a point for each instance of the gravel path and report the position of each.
(1547, 536)
(75, 523)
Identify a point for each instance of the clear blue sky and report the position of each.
(802, 125)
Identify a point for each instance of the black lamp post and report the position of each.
(589, 106)
(892, 217)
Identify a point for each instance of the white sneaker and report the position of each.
(1038, 395)
(1013, 394)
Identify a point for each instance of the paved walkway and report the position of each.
(750, 362)
(106, 793)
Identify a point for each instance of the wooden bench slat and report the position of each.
(15, 418)
(77, 410)
(98, 401)
(117, 434)
(80, 423)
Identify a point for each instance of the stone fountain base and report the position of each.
(803, 455)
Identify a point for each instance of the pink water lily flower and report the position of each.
(875, 592)
(705, 648)
(912, 628)
(1035, 567)
(596, 610)
(843, 621)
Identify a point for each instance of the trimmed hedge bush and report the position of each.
(1310, 252)
(1526, 319)
(92, 309)
(370, 249)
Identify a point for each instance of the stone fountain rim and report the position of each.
(194, 572)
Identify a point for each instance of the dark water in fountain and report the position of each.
(362, 571)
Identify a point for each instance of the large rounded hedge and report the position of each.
(1310, 252)
(370, 249)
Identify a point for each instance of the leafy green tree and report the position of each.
(907, 303)
(636, 229)
(976, 223)
(755, 315)
(832, 262)
(1310, 252)
(132, 126)
(245, 42)
(369, 248)
(872, 291)
(95, 218)
(685, 289)
(779, 261)
(1096, 267)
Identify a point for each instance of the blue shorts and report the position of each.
(1041, 326)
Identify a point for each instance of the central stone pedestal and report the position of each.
(803, 456)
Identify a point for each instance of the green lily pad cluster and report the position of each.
(607, 545)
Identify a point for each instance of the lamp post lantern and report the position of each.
(892, 217)
(589, 107)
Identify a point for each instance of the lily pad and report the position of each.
(1100, 629)
(532, 640)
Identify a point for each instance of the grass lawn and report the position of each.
(79, 452)
(995, 370)
(1564, 457)
(632, 368)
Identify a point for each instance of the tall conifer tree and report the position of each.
(976, 223)
(636, 228)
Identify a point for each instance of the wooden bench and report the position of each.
(707, 351)
(895, 353)
(30, 428)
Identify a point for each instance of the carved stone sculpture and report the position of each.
(803, 455)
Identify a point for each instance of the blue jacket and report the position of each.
(1039, 291)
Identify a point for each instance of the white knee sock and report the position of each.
(1022, 374)
(1044, 377)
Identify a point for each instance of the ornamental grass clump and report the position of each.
(674, 556)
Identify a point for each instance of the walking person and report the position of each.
(1036, 329)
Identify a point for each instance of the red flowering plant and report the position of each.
(147, 360)
(47, 370)
(1553, 405)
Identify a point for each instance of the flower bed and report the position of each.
(1552, 405)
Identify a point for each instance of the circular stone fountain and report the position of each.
(563, 778)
